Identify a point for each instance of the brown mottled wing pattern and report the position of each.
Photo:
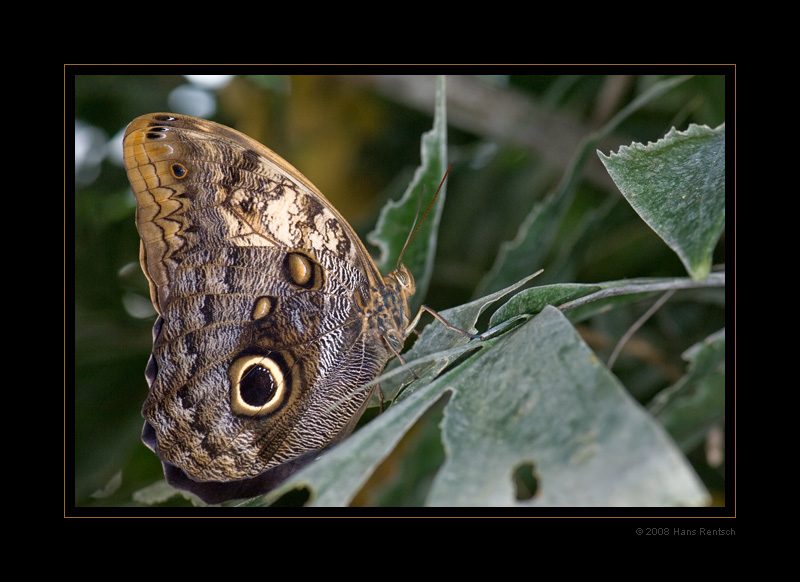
(272, 314)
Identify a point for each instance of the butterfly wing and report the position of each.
(265, 295)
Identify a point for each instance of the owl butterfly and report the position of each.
(271, 313)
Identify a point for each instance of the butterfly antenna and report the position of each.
(412, 231)
(417, 225)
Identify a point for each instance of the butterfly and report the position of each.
(271, 313)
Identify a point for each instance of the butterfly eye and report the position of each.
(404, 279)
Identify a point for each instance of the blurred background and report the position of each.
(357, 138)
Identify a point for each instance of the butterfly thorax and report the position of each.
(386, 307)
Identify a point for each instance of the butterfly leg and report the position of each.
(441, 319)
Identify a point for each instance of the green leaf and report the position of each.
(677, 186)
(540, 397)
(532, 301)
(585, 300)
(161, 492)
(689, 408)
(397, 218)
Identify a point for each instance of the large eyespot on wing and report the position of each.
(259, 384)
